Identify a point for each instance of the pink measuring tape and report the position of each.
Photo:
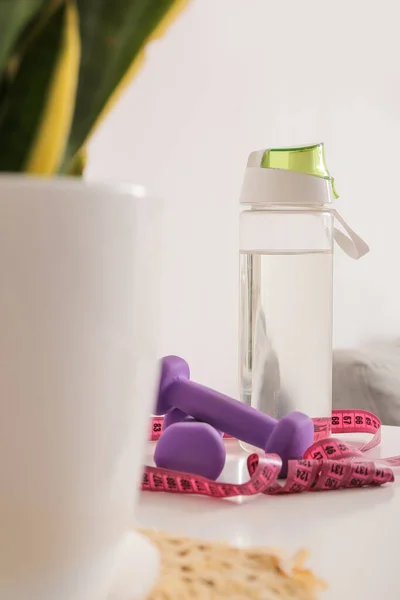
(329, 464)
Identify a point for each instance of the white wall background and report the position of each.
(236, 75)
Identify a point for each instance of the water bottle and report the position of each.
(287, 234)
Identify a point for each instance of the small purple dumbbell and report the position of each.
(191, 447)
(289, 438)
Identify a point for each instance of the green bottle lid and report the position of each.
(309, 160)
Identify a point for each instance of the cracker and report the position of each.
(194, 569)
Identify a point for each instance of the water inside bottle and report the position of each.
(285, 332)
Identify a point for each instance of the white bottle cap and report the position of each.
(291, 176)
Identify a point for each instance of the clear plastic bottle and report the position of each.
(286, 261)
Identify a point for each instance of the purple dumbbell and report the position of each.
(289, 438)
(191, 447)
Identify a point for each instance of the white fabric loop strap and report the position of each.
(351, 244)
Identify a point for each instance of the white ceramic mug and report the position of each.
(79, 295)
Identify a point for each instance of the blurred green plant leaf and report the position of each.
(113, 36)
(77, 165)
(14, 17)
(37, 115)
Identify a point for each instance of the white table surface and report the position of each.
(353, 535)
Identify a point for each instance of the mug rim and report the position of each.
(68, 183)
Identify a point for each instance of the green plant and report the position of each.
(62, 65)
